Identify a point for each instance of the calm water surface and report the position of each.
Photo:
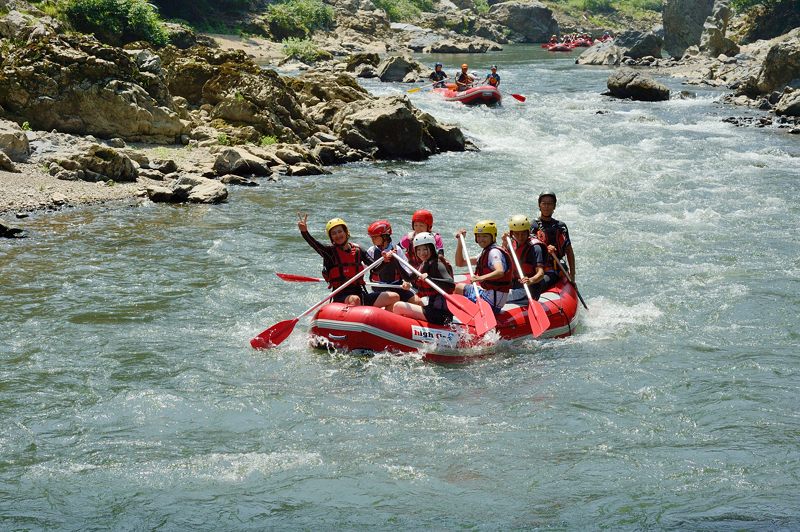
(131, 400)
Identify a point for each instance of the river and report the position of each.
(131, 400)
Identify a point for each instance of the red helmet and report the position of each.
(423, 216)
(379, 228)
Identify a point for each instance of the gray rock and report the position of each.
(10, 232)
(782, 64)
(203, 190)
(302, 169)
(6, 164)
(789, 104)
(683, 24)
(531, 20)
(159, 194)
(639, 44)
(604, 53)
(713, 41)
(155, 175)
(165, 166)
(239, 161)
(233, 179)
(626, 83)
(396, 68)
(13, 141)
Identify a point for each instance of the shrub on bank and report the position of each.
(116, 21)
(298, 18)
(403, 10)
(304, 50)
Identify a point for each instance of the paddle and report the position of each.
(280, 331)
(564, 271)
(487, 314)
(428, 86)
(537, 317)
(459, 306)
(292, 278)
(518, 97)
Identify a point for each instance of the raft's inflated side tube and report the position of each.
(484, 94)
(373, 329)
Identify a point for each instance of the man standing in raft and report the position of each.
(421, 222)
(464, 80)
(493, 267)
(493, 78)
(438, 76)
(341, 261)
(554, 234)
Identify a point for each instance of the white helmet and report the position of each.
(420, 239)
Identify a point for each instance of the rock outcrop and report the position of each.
(637, 44)
(529, 21)
(13, 142)
(626, 83)
(713, 41)
(781, 67)
(789, 104)
(10, 232)
(683, 24)
(603, 53)
(74, 84)
(400, 68)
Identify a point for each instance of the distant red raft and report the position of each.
(371, 329)
(484, 94)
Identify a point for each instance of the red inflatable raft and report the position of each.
(371, 329)
(484, 94)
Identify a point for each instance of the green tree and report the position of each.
(116, 21)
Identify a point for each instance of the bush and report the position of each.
(598, 6)
(298, 18)
(267, 140)
(116, 21)
(403, 10)
(481, 6)
(304, 50)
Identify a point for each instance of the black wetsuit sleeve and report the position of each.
(324, 251)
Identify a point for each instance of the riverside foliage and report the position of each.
(298, 18)
(115, 21)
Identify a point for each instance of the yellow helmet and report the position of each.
(333, 223)
(519, 222)
(486, 226)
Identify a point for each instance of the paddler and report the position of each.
(493, 78)
(421, 222)
(391, 271)
(341, 261)
(554, 233)
(464, 80)
(493, 267)
(438, 76)
(436, 268)
(532, 258)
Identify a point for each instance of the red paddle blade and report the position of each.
(519, 97)
(484, 320)
(462, 308)
(298, 278)
(274, 335)
(537, 318)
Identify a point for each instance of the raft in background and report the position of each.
(371, 329)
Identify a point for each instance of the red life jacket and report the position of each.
(346, 265)
(423, 288)
(528, 269)
(502, 284)
(554, 236)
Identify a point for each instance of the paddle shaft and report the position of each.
(469, 265)
(430, 283)
(350, 281)
(535, 310)
(566, 273)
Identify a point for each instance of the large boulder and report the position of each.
(462, 46)
(683, 24)
(626, 83)
(396, 68)
(603, 53)
(531, 21)
(713, 41)
(389, 127)
(637, 44)
(781, 67)
(74, 84)
(13, 141)
(240, 162)
(189, 188)
(789, 104)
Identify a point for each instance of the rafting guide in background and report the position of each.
(464, 80)
(554, 234)
(438, 76)
(391, 271)
(493, 267)
(493, 78)
(341, 261)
